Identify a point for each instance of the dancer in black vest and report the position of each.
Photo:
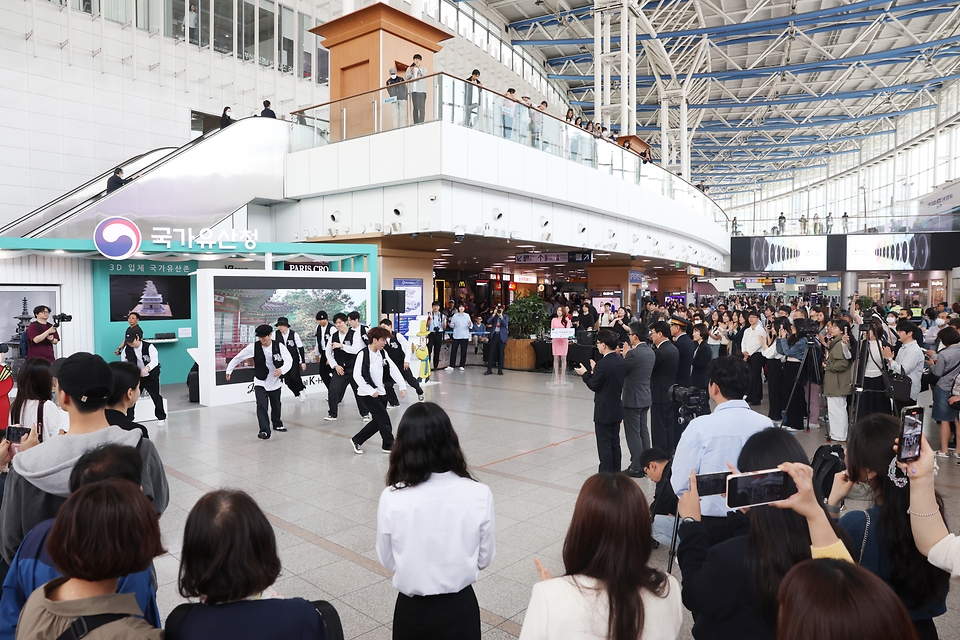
(374, 373)
(271, 360)
(295, 347)
(144, 355)
(325, 331)
(345, 343)
(398, 349)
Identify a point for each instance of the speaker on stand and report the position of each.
(393, 302)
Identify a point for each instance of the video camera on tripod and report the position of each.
(693, 402)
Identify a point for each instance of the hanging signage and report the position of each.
(206, 239)
(636, 277)
(554, 258)
(306, 266)
(580, 256)
(695, 271)
(525, 278)
(808, 279)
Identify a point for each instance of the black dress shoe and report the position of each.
(263, 435)
(499, 373)
(280, 428)
(488, 373)
(635, 474)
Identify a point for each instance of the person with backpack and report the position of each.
(271, 360)
(41, 336)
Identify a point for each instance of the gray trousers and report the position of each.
(636, 432)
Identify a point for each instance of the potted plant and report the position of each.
(529, 316)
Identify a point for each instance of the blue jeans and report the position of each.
(663, 529)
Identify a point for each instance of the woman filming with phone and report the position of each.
(882, 534)
(731, 587)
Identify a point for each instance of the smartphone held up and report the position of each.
(758, 488)
(911, 432)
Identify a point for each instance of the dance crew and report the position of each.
(346, 342)
(398, 349)
(373, 373)
(271, 360)
(288, 337)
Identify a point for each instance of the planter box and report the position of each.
(519, 355)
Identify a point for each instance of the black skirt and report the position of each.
(448, 616)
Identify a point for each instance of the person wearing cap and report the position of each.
(373, 372)
(133, 320)
(271, 360)
(39, 478)
(144, 355)
(418, 88)
(324, 332)
(397, 99)
(287, 336)
(684, 344)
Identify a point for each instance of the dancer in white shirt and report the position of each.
(271, 360)
(373, 372)
(435, 529)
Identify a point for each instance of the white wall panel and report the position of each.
(386, 158)
(355, 158)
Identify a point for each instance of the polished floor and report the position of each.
(532, 443)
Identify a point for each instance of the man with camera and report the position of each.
(605, 379)
(711, 441)
(498, 325)
(41, 335)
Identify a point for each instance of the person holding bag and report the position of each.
(907, 363)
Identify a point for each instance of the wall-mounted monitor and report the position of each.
(894, 251)
(154, 297)
(788, 253)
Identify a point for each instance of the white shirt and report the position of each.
(751, 338)
(323, 337)
(577, 608)
(378, 361)
(437, 536)
(405, 347)
(54, 418)
(151, 353)
(355, 346)
(272, 383)
(909, 362)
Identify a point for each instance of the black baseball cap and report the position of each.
(264, 330)
(283, 322)
(131, 336)
(55, 367)
(86, 377)
(321, 315)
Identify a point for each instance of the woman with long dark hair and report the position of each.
(882, 533)
(33, 406)
(435, 529)
(608, 590)
(792, 347)
(833, 599)
(731, 587)
(559, 346)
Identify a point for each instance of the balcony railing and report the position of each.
(441, 97)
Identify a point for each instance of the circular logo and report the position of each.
(117, 238)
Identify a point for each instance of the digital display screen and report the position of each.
(788, 253)
(154, 297)
(895, 251)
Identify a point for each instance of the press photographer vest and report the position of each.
(260, 371)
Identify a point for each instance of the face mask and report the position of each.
(393, 76)
(941, 322)
(229, 112)
(891, 320)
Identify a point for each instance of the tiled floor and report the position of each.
(533, 444)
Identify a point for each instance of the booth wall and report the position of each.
(74, 277)
(174, 359)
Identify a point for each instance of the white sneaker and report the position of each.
(329, 418)
(302, 398)
(944, 454)
(462, 369)
(420, 397)
(161, 423)
(367, 418)
(356, 448)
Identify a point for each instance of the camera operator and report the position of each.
(774, 362)
(711, 441)
(908, 361)
(42, 335)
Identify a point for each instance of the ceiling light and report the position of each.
(526, 246)
(439, 249)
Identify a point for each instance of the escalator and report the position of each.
(194, 186)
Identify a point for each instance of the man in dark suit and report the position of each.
(639, 358)
(497, 325)
(664, 376)
(117, 180)
(686, 348)
(267, 111)
(606, 382)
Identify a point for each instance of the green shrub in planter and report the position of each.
(529, 315)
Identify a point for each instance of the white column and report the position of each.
(597, 64)
(256, 52)
(684, 139)
(664, 131)
(632, 46)
(624, 66)
(607, 79)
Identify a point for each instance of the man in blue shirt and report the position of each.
(32, 566)
(710, 442)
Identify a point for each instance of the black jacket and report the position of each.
(115, 182)
(664, 499)
(701, 359)
(715, 587)
(268, 113)
(686, 348)
(606, 382)
(664, 372)
(120, 419)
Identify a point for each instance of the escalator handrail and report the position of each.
(39, 210)
(70, 213)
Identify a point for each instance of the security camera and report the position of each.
(414, 235)
(633, 257)
(458, 237)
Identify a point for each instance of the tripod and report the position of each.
(817, 378)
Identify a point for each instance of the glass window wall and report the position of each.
(223, 26)
(286, 28)
(246, 32)
(267, 46)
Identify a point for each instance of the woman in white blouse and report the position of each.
(435, 530)
(35, 388)
(609, 590)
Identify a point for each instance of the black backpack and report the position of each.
(24, 344)
(827, 462)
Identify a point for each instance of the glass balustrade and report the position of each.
(440, 97)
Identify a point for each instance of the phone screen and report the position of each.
(911, 431)
(712, 484)
(758, 488)
(16, 433)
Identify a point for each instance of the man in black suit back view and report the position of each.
(664, 376)
(606, 381)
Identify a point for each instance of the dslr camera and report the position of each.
(60, 318)
(693, 402)
(806, 328)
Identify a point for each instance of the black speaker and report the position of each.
(393, 301)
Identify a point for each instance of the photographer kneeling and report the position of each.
(710, 441)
